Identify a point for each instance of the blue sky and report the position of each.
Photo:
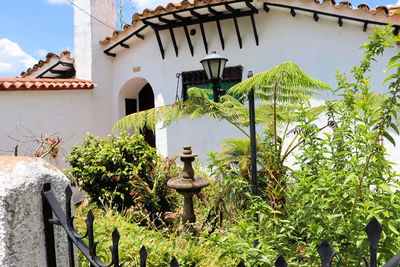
(29, 29)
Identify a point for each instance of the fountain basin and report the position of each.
(194, 184)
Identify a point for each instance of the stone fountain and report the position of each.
(188, 185)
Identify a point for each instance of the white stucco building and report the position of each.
(136, 68)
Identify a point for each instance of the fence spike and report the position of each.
(114, 248)
(174, 262)
(241, 263)
(68, 210)
(281, 262)
(326, 254)
(143, 256)
(374, 231)
(365, 261)
(70, 223)
(92, 250)
(89, 230)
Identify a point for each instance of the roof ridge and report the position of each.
(65, 54)
(138, 16)
(23, 84)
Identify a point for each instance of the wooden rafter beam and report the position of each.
(238, 32)
(203, 35)
(135, 33)
(318, 13)
(249, 5)
(189, 41)
(124, 45)
(171, 32)
(221, 36)
(253, 23)
(160, 45)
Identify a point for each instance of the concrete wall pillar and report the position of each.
(22, 240)
(93, 21)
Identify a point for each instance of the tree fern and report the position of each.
(286, 77)
(281, 89)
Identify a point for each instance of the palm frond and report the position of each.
(286, 77)
(294, 86)
(237, 151)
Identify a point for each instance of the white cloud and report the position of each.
(41, 53)
(56, 2)
(13, 60)
(5, 67)
(143, 4)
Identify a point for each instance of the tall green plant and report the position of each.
(344, 176)
(280, 89)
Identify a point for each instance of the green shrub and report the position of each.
(344, 176)
(126, 168)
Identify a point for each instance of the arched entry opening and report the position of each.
(146, 101)
(137, 95)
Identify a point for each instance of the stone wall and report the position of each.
(22, 240)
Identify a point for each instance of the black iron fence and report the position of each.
(66, 221)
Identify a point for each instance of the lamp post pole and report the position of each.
(216, 91)
(253, 147)
(214, 66)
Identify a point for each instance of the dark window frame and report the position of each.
(198, 77)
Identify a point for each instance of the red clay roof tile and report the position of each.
(186, 4)
(41, 63)
(28, 84)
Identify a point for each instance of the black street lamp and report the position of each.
(253, 145)
(214, 66)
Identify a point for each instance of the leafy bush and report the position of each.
(125, 167)
(345, 177)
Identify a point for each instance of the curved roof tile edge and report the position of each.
(39, 84)
(187, 4)
(41, 63)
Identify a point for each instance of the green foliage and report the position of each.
(126, 167)
(280, 88)
(290, 83)
(287, 79)
(344, 177)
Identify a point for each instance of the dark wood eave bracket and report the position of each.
(160, 22)
(63, 74)
(122, 42)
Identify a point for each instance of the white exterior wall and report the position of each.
(90, 62)
(319, 48)
(68, 114)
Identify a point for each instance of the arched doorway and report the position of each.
(146, 101)
(137, 95)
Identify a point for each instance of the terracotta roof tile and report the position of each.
(64, 55)
(27, 84)
(393, 9)
(185, 4)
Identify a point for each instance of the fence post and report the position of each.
(22, 235)
(49, 231)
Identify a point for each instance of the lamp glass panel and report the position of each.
(221, 70)
(206, 68)
(214, 69)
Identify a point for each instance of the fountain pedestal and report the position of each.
(188, 185)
